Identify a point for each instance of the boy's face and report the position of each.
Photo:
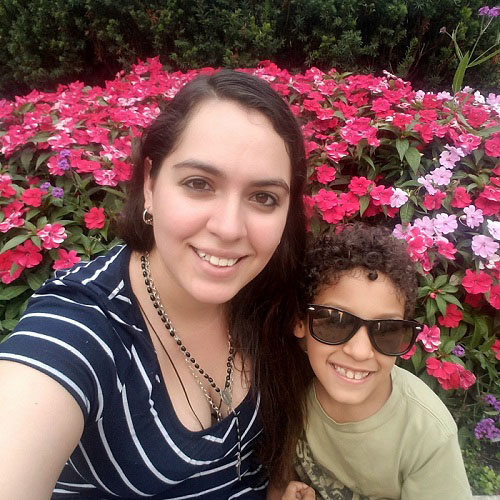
(353, 379)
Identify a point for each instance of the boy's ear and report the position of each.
(300, 329)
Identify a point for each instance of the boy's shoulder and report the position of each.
(423, 406)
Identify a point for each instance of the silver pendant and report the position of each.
(227, 397)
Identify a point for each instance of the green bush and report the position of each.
(47, 42)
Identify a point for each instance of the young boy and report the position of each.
(374, 430)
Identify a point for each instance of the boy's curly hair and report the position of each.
(359, 245)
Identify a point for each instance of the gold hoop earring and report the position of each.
(147, 217)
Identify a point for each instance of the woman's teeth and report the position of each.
(216, 261)
(350, 374)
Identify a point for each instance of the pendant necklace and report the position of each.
(226, 392)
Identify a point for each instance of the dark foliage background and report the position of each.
(46, 42)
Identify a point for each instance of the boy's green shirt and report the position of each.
(408, 450)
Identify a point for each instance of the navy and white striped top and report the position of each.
(84, 329)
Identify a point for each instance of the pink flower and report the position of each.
(66, 259)
(474, 216)
(9, 270)
(105, 177)
(13, 216)
(6, 189)
(433, 201)
(426, 182)
(381, 195)
(357, 129)
(336, 150)
(492, 147)
(94, 218)
(52, 235)
(398, 198)
(494, 228)
(496, 349)
(446, 249)
(448, 159)
(27, 255)
(400, 120)
(476, 282)
(359, 185)
(445, 224)
(460, 198)
(494, 298)
(452, 317)
(450, 375)
(484, 246)
(441, 176)
(430, 338)
(325, 174)
(32, 197)
(469, 142)
(410, 353)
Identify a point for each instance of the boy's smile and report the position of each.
(353, 379)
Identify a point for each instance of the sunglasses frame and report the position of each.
(359, 322)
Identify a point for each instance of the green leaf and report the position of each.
(484, 59)
(364, 201)
(452, 300)
(440, 281)
(413, 156)
(36, 280)
(441, 304)
(17, 240)
(458, 332)
(430, 311)
(43, 157)
(10, 292)
(460, 72)
(480, 331)
(487, 131)
(402, 146)
(406, 211)
(447, 346)
(26, 157)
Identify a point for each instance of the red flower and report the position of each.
(450, 375)
(489, 201)
(359, 185)
(400, 120)
(492, 146)
(27, 255)
(460, 198)
(66, 259)
(32, 197)
(9, 270)
(325, 174)
(473, 299)
(433, 201)
(6, 189)
(494, 299)
(452, 317)
(496, 348)
(381, 195)
(446, 249)
(95, 218)
(336, 150)
(479, 282)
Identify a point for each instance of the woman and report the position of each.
(148, 366)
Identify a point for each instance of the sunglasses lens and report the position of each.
(331, 326)
(392, 337)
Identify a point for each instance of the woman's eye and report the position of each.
(266, 199)
(198, 184)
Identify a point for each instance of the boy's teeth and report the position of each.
(216, 261)
(350, 374)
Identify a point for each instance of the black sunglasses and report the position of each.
(333, 326)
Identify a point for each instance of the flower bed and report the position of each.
(427, 165)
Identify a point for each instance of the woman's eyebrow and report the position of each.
(210, 169)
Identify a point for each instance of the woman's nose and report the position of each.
(227, 221)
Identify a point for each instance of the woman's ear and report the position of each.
(300, 329)
(148, 186)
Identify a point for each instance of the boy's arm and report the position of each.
(443, 476)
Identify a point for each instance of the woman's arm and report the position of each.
(294, 491)
(41, 424)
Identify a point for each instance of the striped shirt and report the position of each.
(84, 329)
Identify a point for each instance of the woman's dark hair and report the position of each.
(359, 245)
(264, 313)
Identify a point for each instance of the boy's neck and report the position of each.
(343, 413)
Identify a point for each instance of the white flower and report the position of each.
(398, 198)
(494, 228)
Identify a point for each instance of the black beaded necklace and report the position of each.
(226, 393)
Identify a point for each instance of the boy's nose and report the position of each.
(359, 347)
(227, 221)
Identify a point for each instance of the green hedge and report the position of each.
(45, 42)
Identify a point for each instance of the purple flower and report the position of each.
(45, 186)
(486, 428)
(62, 163)
(484, 11)
(445, 224)
(441, 176)
(458, 351)
(57, 192)
(474, 216)
(494, 12)
(64, 153)
(490, 399)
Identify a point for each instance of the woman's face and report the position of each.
(219, 203)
